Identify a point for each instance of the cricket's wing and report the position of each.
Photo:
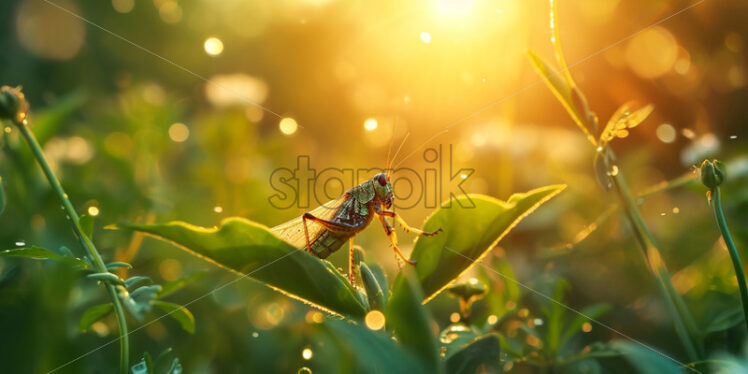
(292, 231)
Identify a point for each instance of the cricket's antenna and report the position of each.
(389, 149)
(419, 147)
(399, 148)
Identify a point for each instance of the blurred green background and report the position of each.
(135, 129)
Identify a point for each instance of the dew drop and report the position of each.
(20, 244)
(255, 334)
(304, 370)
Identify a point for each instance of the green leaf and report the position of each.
(93, 314)
(86, 223)
(116, 265)
(484, 352)
(562, 91)
(248, 248)
(39, 253)
(370, 351)
(378, 273)
(131, 282)
(175, 285)
(646, 360)
(469, 234)
(373, 290)
(2, 196)
(106, 277)
(179, 313)
(592, 311)
(410, 321)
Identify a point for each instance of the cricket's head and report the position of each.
(383, 189)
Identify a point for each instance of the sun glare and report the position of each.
(454, 8)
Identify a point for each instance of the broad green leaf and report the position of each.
(484, 352)
(410, 321)
(562, 91)
(93, 314)
(86, 223)
(179, 313)
(646, 359)
(249, 249)
(469, 234)
(372, 351)
(39, 253)
(2, 196)
(175, 285)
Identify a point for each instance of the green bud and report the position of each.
(12, 103)
(466, 293)
(468, 290)
(712, 173)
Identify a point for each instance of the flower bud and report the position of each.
(712, 173)
(12, 103)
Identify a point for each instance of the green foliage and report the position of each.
(169, 288)
(118, 265)
(373, 288)
(106, 277)
(2, 196)
(410, 321)
(179, 313)
(86, 223)
(480, 355)
(646, 360)
(94, 314)
(374, 352)
(39, 253)
(443, 258)
(248, 248)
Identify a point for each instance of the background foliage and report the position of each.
(105, 112)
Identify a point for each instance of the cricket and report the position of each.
(326, 228)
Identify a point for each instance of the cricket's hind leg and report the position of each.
(393, 240)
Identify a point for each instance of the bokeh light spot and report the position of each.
(371, 124)
(307, 353)
(666, 133)
(374, 320)
(288, 126)
(123, 6)
(179, 132)
(93, 211)
(213, 46)
(652, 53)
(425, 37)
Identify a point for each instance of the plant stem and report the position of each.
(719, 214)
(685, 326)
(84, 240)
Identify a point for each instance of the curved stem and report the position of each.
(719, 214)
(84, 240)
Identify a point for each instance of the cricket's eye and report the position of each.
(382, 180)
